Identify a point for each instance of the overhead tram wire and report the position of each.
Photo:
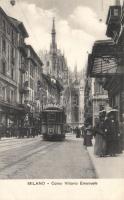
(29, 25)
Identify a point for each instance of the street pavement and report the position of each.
(107, 167)
(33, 158)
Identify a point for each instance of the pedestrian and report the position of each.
(99, 133)
(77, 130)
(82, 129)
(113, 135)
(1, 130)
(88, 134)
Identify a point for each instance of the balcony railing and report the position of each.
(23, 89)
(23, 68)
(23, 50)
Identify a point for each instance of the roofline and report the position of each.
(32, 49)
(7, 18)
(17, 28)
(24, 29)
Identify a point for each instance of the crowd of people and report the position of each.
(108, 139)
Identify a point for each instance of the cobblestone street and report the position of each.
(35, 158)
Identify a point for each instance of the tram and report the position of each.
(53, 119)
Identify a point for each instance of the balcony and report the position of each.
(113, 22)
(23, 89)
(23, 49)
(23, 68)
(13, 60)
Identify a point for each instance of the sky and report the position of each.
(78, 25)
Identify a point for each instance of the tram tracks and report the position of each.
(13, 161)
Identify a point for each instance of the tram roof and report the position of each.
(53, 107)
(54, 110)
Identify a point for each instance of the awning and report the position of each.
(105, 60)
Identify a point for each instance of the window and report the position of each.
(3, 71)
(8, 30)
(75, 100)
(116, 12)
(12, 36)
(31, 83)
(8, 57)
(8, 94)
(31, 71)
(101, 107)
(12, 73)
(4, 25)
(13, 56)
(3, 45)
(3, 93)
(48, 63)
(12, 96)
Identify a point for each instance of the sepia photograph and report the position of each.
(61, 90)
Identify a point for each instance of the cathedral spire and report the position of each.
(53, 27)
(53, 34)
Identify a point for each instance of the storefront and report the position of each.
(10, 116)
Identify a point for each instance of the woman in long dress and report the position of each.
(88, 135)
(113, 134)
(100, 140)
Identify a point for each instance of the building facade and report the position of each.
(107, 63)
(73, 99)
(88, 103)
(99, 99)
(81, 102)
(12, 36)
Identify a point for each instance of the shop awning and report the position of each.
(9, 108)
(105, 60)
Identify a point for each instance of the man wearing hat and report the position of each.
(112, 132)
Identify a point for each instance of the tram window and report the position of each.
(51, 117)
(44, 117)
